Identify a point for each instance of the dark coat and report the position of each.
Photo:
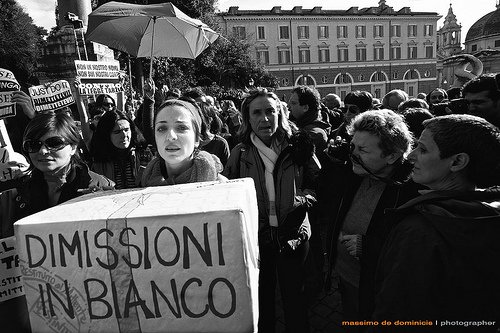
(294, 173)
(337, 186)
(440, 261)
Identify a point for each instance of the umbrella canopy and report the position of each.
(149, 30)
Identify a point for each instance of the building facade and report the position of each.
(374, 49)
(483, 40)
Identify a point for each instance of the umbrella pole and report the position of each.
(152, 47)
(130, 84)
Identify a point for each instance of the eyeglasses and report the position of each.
(52, 144)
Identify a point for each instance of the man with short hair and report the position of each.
(483, 96)
(305, 112)
(393, 98)
(332, 101)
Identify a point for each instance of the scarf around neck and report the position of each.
(206, 167)
(269, 156)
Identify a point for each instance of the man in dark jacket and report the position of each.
(305, 112)
(352, 199)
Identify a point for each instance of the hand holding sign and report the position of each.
(24, 101)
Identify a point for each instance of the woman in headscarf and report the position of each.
(284, 169)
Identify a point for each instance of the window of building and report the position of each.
(343, 54)
(378, 53)
(395, 75)
(473, 48)
(361, 54)
(428, 28)
(342, 31)
(306, 80)
(378, 31)
(343, 79)
(283, 56)
(361, 77)
(324, 79)
(239, 32)
(412, 30)
(324, 55)
(395, 31)
(304, 56)
(263, 56)
(360, 31)
(429, 51)
(396, 52)
(378, 77)
(412, 52)
(303, 32)
(285, 81)
(323, 32)
(284, 32)
(497, 43)
(261, 33)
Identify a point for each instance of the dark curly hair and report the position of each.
(101, 147)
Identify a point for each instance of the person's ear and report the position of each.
(392, 158)
(459, 162)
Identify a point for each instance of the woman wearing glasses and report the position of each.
(177, 131)
(284, 168)
(57, 175)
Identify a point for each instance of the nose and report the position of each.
(411, 156)
(43, 150)
(171, 135)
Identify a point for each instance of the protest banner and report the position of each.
(8, 84)
(98, 77)
(177, 258)
(51, 96)
(11, 284)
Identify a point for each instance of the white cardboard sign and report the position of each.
(11, 282)
(162, 259)
(51, 96)
(98, 77)
(8, 84)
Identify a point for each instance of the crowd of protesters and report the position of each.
(394, 201)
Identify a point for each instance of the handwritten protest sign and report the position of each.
(51, 96)
(8, 84)
(98, 77)
(11, 283)
(162, 259)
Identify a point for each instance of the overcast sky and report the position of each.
(467, 11)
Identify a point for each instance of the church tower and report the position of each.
(449, 36)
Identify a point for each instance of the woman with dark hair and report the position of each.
(177, 130)
(118, 150)
(211, 141)
(284, 169)
(57, 175)
(440, 261)
(415, 117)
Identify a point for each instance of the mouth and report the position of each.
(172, 149)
